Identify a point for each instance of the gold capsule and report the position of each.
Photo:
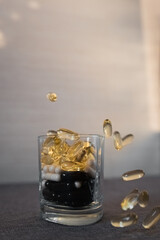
(51, 133)
(117, 140)
(107, 128)
(152, 218)
(75, 149)
(131, 200)
(127, 139)
(143, 199)
(51, 97)
(67, 134)
(46, 160)
(124, 220)
(71, 166)
(133, 175)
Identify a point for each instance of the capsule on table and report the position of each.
(117, 140)
(51, 96)
(124, 220)
(143, 199)
(133, 175)
(107, 128)
(67, 134)
(127, 139)
(152, 218)
(131, 200)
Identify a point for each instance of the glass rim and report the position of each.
(80, 134)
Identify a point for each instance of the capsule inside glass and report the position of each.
(71, 179)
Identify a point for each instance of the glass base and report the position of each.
(71, 217)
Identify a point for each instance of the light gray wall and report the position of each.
(91, 54)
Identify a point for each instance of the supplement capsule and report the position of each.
(143, 199)
(131, 200)
(124, 220)
(152, 218)
(127, 139)
(133, 175)
(51, 133)
(51, 97)
(107, 128)
(67, 134)
(117, 140)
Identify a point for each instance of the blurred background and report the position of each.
(101, 58)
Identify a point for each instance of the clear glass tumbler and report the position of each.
(71, 179)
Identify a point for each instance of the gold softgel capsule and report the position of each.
(117, 140)
(107, 128)
(67, 134)
(143, 199)
(152, 218)
(131, 200)
(133, 175)
(127, 139)
(51, 96)
(124, 220)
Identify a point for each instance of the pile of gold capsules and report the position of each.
(57, 154)
(135, 197)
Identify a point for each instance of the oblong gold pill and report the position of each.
(133, 175)
(143, 199)
(124, 220)
(107, 128)
(127, 139)
(67, 134)
(52, 96)
(152, 218)
(51, 133)
(117, 140)
(131, 200)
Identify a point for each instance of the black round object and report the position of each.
(72, 176)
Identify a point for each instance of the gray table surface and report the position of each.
(19, 214)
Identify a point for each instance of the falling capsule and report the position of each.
(51, 97)
(131, 200)
(117, 140)
(67, 134)
(107, 128)
(124, 220)
(143, 199)
(127, 139)
(152, 218)
(133, 175)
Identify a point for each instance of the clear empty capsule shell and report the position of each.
(117, 140)
(67, 134)
(152, 218)
(133, 175)
(124, 220)
(143, 199)
(51, 96)
(107, 128)
(131, 200)
(127, 139)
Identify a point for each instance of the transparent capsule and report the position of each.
(124, 220)
(152, 218)
(133, 175)
(71, 166)
(107, 128)
(67, 134)
(117, 140)
(143, 199)
(131, 200)
(127, 139)
(46, 160)
(75, 149)
(52, 133)
(51, 96)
